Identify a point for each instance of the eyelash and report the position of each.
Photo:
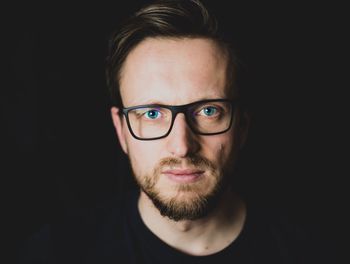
(217, 109)
(155, 110)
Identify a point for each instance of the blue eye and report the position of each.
(209, 111)
(152, 114)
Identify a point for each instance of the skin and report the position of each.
(175, 72)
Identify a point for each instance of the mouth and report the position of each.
(184, 175)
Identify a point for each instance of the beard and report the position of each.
(190, 201)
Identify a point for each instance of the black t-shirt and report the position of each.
(115, 233)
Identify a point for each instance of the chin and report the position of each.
(185, 202)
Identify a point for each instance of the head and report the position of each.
(171, 53)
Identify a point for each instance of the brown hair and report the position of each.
(165, 18)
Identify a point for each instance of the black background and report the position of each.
(58, 143)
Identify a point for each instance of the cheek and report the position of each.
(219, 148)
(143, 156)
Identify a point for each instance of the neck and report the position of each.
(205, 236)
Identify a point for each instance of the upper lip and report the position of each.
(183, 171)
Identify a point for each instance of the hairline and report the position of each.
(224, 50)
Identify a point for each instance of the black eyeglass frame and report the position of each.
(176, 109)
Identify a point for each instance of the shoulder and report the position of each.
(278, 230)
(75, 234)
(35, 248)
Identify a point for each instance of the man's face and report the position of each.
(182, 172)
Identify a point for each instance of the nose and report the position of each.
(181, 140)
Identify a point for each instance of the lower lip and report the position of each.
(186, 178)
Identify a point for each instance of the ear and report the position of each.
(120, 127)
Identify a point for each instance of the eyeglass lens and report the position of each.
(204, 118)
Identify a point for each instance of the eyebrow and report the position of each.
(174, 106)
(149, 102)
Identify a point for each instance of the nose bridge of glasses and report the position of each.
(176, 109)
(181, 109)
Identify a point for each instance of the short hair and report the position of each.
(168, 19)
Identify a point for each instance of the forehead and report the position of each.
(173, 71)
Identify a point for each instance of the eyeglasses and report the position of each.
(155, 121)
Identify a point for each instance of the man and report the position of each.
(180, 128)
(178, 118)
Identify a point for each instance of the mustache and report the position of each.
(193, 161)
(190, 161)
